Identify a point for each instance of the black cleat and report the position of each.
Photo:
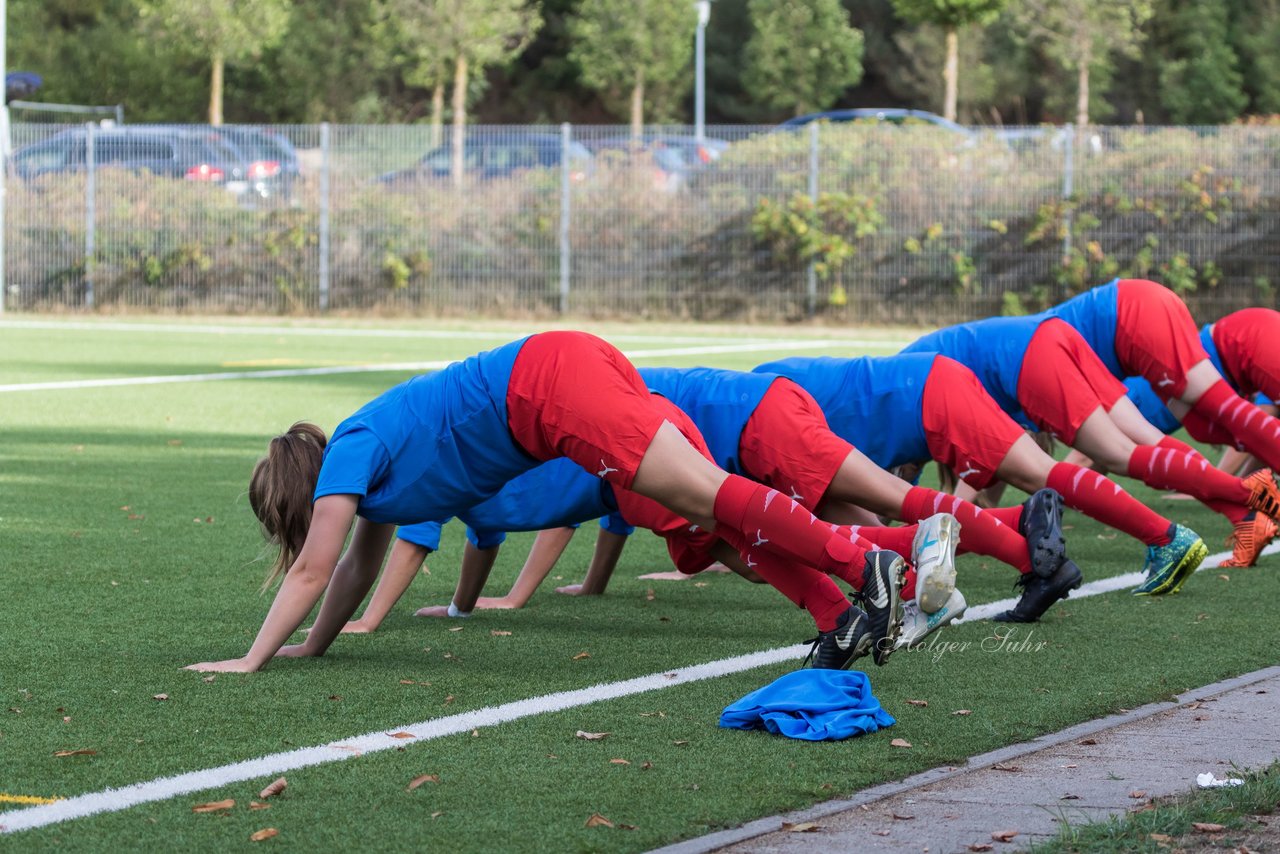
(1041, 526)
(850, 639)
(1038, 594)
(881, 596)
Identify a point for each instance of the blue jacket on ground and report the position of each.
(812, 705)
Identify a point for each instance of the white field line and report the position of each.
(341, 332)
(389, 367)
(274, 764)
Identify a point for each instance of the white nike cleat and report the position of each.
(916, 624)
(934, 550)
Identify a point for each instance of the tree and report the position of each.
(1255, 34)
(802, 54)
(221, 31)
(634, 47)
(1081, 34)
(1200, 81)
(950, 15)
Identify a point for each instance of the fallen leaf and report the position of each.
(401, 734)
(274, 788)
(628, 827)
(598, 820)
(800, 827)
(174, 442)
(75, 753)
(335, 697)
(962, 712)
(498, 633)
(899, 742)
(1201, 718)
(999, 766)
(581, 656)
(210, 678)
(160, 696)
(1003, 835)
(214, 806)
(457, 628)
(1069, 798)
(447, 700)
(619, 762)
(880, 832)
(423, 778)
(1138, 794)
(259, 805)
(920, 703)
(1196, 705)
(1071, 766)
(265, 833)
(475, 733)
(1087, 741)
(897, 817)
(648, 594)
(590, 736)
(1160, 837)
(981, 846)
(66, 719)
(1207, 827)
(1224, 576)
(645, 766)
(680, 743)
(653, 714)
(136, 517)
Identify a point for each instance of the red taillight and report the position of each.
(577, 176)
(703, 154)
(205, 172)
(264, 168)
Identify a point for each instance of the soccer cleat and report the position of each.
(1169, 566)
(934, 548)
(1264, 494)
(1248, 540)
(1041, 526)
(850, 639)
(1038, 594)
(916, 623)
(881, 597)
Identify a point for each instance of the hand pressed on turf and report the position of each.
(231, 665)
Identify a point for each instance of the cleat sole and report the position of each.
(934, 588)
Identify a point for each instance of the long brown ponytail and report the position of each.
(281, 490)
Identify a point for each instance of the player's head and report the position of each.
(281, 490)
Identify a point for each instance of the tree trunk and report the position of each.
(459, 120)
(437, 114)
(951, 75)
(215, 91)
(637, 106)
(1082, 94)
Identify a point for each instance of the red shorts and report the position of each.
(688, 544)
(787, 444)
(1063, 382)
(573, 395)
(964, 427)
(1155, 336)
(1248, 344)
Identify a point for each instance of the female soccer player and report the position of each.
(440, 443)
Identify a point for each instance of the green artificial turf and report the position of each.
(129, 550)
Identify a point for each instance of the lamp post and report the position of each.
(703, 8)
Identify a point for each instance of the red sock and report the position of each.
(803, 585)
(1253, 428)
(980, 532)
(1233, 511)
(1104, 500)
(771, 520)
(1011, 516)
(900, 539)
(1168, 467)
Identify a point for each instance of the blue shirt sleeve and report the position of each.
(615, 524)
(354, 463)
(425, 534)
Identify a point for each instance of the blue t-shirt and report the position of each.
(718, 402)
(1150, 405)
(873, 403)
(556, 494)
(430, 447)
(1094, 315)
(993, 349)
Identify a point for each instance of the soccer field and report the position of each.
(128, 549)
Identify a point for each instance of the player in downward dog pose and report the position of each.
(1040, 370)
(440, 443)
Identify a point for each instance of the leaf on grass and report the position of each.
(81, 752)
(645, 766)
(498, 633)
(214, 806)
(653, 714)
(619, 762)
(581, 656)
(259, 805)
(335, 697)
(447, 700)
(962, 712)
(1201, 718)
(457, 628)
(1138, 794)
(598, 820)
(899, 742)
(210, 677)
(981, 846)
(880, 832)
(590, 736)
(1160, 837)
(265, 833)
(1224, 576)
(1071, 766)
(136, 517)
(401, 734)
(274, 788)
(680, 743)
(1003, 835)
(648, 594)
(628, 827)
(921, 703)
(1207, 827)
(801, 827)
(422, 778)
(475, 733)
(174, 442)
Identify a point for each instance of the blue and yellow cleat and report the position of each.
(1168, 567)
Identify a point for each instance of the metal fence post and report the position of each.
(324, 216)
(566, 137)
(1068, 185)
(811, 293)
(90, 213)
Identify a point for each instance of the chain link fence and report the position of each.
(866, 222)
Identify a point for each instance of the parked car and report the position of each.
(670, 168)
(490, 154)
(874, 114)
(273, 168)
(163, 151)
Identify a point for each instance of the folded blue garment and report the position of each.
(811, 704)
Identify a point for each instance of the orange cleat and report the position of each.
(1264, 494)
(1248, 540)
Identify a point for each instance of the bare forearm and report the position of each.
(476, 566)
(402, 567)
(345, 592)
(294, 601)
(547, 548)
(604, 560)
